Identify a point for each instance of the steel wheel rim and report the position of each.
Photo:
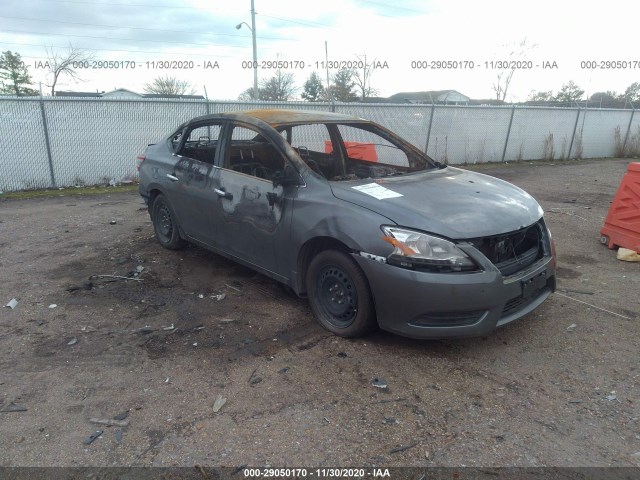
(165, 224)
(337, 296)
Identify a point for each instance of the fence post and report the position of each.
(575, 126)
(626, 137)
(506, 140)
(426, 147)
(47, 143)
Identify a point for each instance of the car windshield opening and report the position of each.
(352, 151)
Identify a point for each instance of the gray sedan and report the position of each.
(366, 226)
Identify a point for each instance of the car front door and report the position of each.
(253, 216)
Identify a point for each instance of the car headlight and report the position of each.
(421, 251)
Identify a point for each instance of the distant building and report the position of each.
(443, 97)
(126, 94)
(79, 94)
(121, 93)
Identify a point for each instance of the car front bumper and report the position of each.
(440, 305)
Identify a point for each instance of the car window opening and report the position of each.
(253, 155)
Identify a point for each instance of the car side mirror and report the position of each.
(287, 177)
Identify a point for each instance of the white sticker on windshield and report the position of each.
(377, 191)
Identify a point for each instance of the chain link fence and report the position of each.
(62, 142)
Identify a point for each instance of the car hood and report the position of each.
(450, 202)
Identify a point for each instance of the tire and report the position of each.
(339, 295)
(165, 224)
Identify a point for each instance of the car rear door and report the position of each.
(193, 197)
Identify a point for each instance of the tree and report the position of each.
(169, 86)
(605, 99)
(249, 94)
(313, 90)
(66, 64)
(569, 93)
(541, 96)
(362, 79)
(280, 87)
(343, 84)
(14, 75)
(632, 93)
(503, 80)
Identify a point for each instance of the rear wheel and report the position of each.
(165, 224)
(339, 294)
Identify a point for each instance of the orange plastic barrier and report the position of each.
(356, 150)
(622, 225)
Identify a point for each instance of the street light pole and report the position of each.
(255, 52)
(255, 48)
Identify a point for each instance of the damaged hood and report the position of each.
(450, 202)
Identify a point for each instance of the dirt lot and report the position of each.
(558, 388)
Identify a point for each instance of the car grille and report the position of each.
(513, 251)
(448, 319)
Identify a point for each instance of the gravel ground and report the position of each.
(557, 388)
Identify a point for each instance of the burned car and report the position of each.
(366, 226)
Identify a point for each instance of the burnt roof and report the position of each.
(277, 117)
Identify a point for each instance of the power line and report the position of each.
(128, 39)
(285, 19)
(393, 7)
(122, 50)
(137, 28)
(145, 5)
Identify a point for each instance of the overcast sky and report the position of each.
(398, 32)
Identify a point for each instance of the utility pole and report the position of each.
(255, 48)
(255, 51)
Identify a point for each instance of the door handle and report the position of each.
(171, 177)
(223, 194)
(272, 198)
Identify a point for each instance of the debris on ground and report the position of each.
(627, 255)
(146, 330)
(219, 297)
(39, 322)
(232, 288)
(13, 407)
(118, 435)
(575, 401)
(612, 397)
(53, 305)
(389, 420)
(109, 422)
(226, 320)
(253, 380)
(121, 416)
(73, 341)
(571, 327)
(91, 438)
(75, 288)
(12, 303)
(120, 277)
(283, 370)
(218, 403)
(403, 448)
(112, 222)
(88, 329)
(200, 295)
(379, 383)
(170, 327)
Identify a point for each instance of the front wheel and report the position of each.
(339, 294)
(165, 224)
